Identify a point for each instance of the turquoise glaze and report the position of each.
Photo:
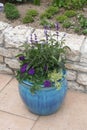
(45, 101)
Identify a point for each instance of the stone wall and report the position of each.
(11, 38)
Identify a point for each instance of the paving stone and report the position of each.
(13, 122)
(4, 79)
(11, 102)
(71, 116)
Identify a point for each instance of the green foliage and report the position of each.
(45, 15)
(45, 22)
(45, 58)
(81, 27)
(70, 13)
(67, 24)
(84, 31)
(29, 17)
(61, 18)
(36, 2)
(32, 12)
(11, 11)
(70, 4)
(49, 12)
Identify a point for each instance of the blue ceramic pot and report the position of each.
(45, 101)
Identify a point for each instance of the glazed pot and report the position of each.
(45, 101)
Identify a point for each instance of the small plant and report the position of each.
(36, 2)
(67, 24)
(11, 11)
(49, 12)
(52, 10)
(45, 22)
(42, 62)
(45, 15)
(32, 12)
(84, 31)
(70, 13)
(29, 17)
(61, 18)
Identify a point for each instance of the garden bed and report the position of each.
(24, 7)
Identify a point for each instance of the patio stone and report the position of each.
(12, 122)
(4, 79)
(11, 102)
(71, 116)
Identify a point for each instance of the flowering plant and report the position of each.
(42, 62)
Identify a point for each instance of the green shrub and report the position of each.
(52, 10)
(11, 11)
(36, 2)
(45, 22)
(45, 15)
(70, 13)
(61, 18)
(67, 24)
(49, 12)
(32, 12)
(28, 19)
(84, 31)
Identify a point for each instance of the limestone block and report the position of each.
(16, 37)
(76, 86)
(84, 52)
(12, 63)
(71, 75)
(73, 85)
(82, 78)
(4, 25)
(76, 67)
(5, 69)
(8, 52)
(1, 59)
(1, 39)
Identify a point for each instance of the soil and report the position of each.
(23, 7)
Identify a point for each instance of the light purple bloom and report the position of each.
(23, 68)
(57, 26)
(21, 58)
(47, 83)
(36, 41)
(31, 71)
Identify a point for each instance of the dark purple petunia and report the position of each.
(47, 83)
(23, 68)
(31, 71)
(21, 58)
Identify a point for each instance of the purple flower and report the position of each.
(57, 26)
(31, 71)
(36, 41)
(45, 67)
(47, 83)
(23, 68)
(21, 58)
